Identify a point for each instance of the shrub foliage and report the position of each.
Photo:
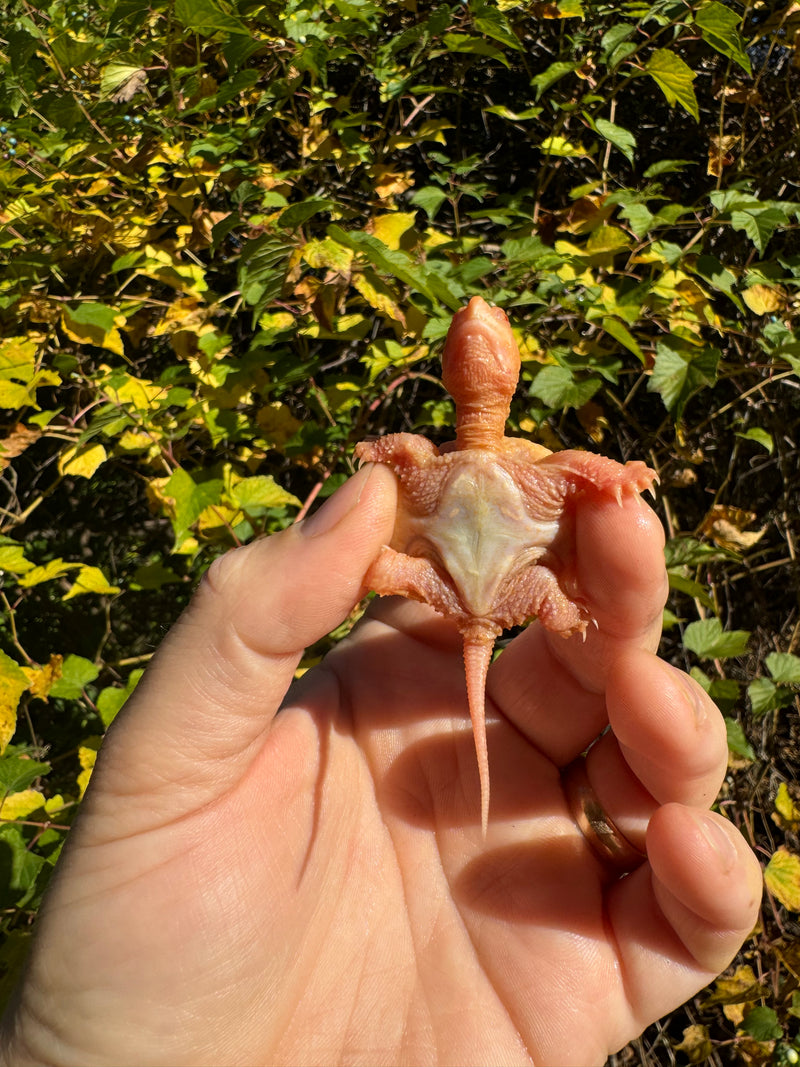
(232, 237)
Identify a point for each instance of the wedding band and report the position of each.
(609, 844)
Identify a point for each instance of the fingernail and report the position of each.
(337, 506)
(687, 685)
(718, 839)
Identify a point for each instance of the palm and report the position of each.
(315, 888)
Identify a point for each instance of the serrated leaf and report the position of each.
(618, 136)
(675, 80)
(13, 683)
(430, 198)
(787, 811)
(759, 224)
(90, 580)
(782, 878)
(56, 568)
(12, 559)
(76, 673)
(153, 576)
(761, 1023)
(679, 371)
(707, 639)
(557, 388)
(784, 667)
(766, 696)
(188, 499)
(696, 1043)
(81, 462)
(720, 28)
(262, 491)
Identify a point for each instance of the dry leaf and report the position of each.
(720, 154)
(726, 527)
(15, 444)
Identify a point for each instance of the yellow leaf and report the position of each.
(327, 253)
(764, 299)
(81, 462)
(560, 146)
(787, 811)
(42, 679)
(139, 392)
(378, 295)
(277, 423)
(90, 580)
(56, 568)
(782, 878)
(391, 227)
(94, 324)
(20, 805)
(17, 359)
(87, 756)
(696, 1043)
(738, 988)
(13, 684)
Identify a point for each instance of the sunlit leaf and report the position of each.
(674, 78)
(707, 639)
(782, 877)
(81, 462)
(13, 683)
(720, 28)
(76, 673)
(94, 324)
(618, 136)
(90, 580)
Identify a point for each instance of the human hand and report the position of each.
(313, 886)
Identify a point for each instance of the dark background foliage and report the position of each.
(232, 238)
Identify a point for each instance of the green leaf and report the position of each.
(208, 17)
(542, 82)
(111, 699)
(18, 772)
(761, 1023)
(153, 576)
(19, 867)
(190, 498)
(296, 214)
(262, 491)
(398, 265)
(618, 136)
(720, 28)
(784, 667)
(621, 333)
(674, 78)
(681, 584)
(759, 224)
(76, 674)
(737, 742)
(707, 639)
(557, 388)
(755, 433)
(766, 696)
(430, 198)
(679, 370)
(262, 269)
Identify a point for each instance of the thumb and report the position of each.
(211, 691)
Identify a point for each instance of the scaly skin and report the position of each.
(483, 531)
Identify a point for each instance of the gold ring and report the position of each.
(609, 844)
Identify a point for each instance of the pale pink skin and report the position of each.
(484, 530)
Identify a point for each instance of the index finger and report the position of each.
(552, 688)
